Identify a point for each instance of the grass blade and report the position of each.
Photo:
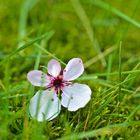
(25, 8)
(47, 35)
(117, 12)
(99, 132)
(86, 23)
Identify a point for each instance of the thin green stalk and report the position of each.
(120, 71)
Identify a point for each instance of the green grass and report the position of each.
(104, 34)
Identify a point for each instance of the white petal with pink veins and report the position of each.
(44, 105)
(38, 78)
(54, 68)
(73, 69)
(75, 96)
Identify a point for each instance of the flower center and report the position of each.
(58, 83)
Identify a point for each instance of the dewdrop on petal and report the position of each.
(59, 90)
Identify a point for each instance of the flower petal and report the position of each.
(75, 96)
(73, 69)
(38, 78)
(54, 68)
(44, 105)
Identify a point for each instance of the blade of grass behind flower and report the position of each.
(96, 58)
(26, 6)
(120, 71)
(86, 23)
(133, 74)
(114, 10)
(28, 44)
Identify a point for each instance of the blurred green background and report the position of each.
(105, 34)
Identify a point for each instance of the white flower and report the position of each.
(46, 104)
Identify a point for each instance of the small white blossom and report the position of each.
(59, 90)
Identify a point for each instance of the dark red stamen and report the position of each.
(58, 83)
